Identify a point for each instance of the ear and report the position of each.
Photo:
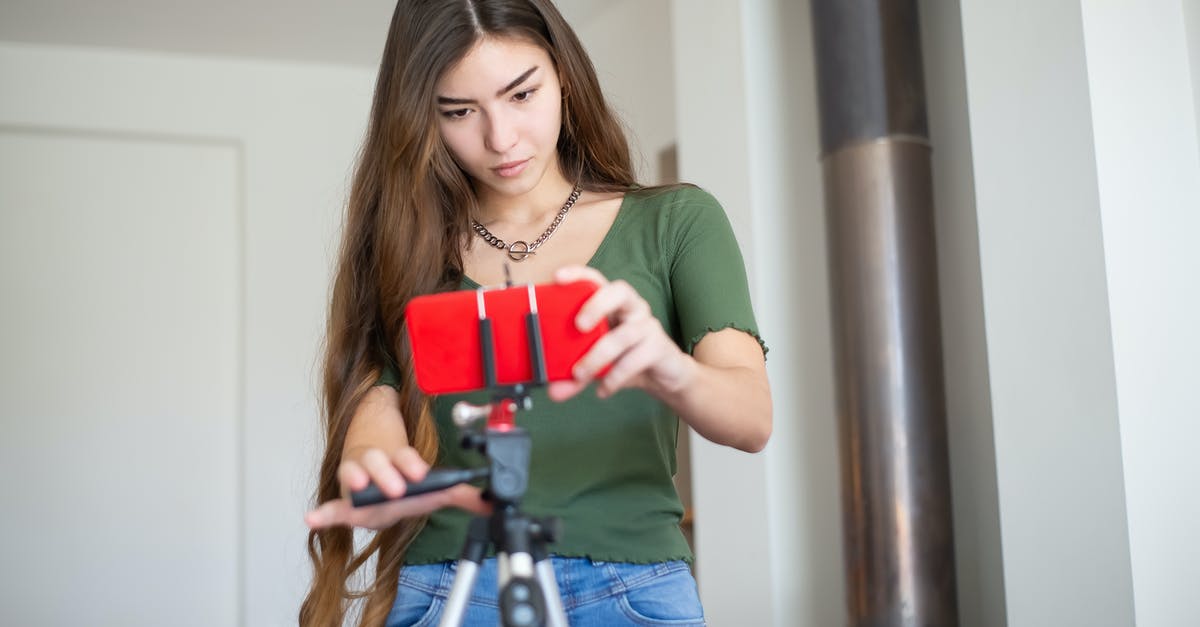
(564, 85)
(568, 128)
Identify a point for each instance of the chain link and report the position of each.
(528, 249)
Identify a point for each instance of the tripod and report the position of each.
(529, 595)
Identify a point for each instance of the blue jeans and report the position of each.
(593, 593)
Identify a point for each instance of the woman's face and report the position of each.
(500, 110)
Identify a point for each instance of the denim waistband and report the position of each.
(580, 580)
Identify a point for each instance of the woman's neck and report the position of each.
(530, 208)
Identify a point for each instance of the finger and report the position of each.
(341, 512)
(466, 497)
(559, 391)
(329, 514)
(616, 300)
(383, 472)
(384, 515)
(633, 363)
(352, 476)
(608, 349)
(602, 304)
(410, 464)
(388, 513)
(462, 496)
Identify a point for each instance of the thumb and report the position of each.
(468, 498)
(329, 514)
(559, 391)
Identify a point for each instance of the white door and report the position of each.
(118, 269)
(166, 228)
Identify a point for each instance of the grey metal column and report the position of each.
(899, 544)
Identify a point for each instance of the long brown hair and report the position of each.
(407, 220)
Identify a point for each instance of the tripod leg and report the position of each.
(556, 616)
(522, 602)
(468, 569)
(460, 594)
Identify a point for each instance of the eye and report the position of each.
(455, 114)
(523, 96)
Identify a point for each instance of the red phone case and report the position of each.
(443, 331)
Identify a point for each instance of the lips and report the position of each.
(511, 168)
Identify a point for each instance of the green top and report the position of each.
(604, 467)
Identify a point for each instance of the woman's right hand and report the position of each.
(391, 474)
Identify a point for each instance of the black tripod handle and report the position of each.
(437, 479)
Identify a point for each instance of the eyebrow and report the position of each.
(443, 100)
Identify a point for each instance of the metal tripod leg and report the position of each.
(548, 530)
(460, 594)
(522, 600)
(556, 616)
(521, 578)
(515, 568)
(467, 571)
(528, 591)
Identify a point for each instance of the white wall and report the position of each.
(293, 130)
(1085, 181)
(734, 556)
(768, 528)
(1053, 401)
(652, 82)
(119, 393)
(1070, 478)
(1148, 166)
(629, 42)
(1191, 22)
(978, 553)
(787, 213)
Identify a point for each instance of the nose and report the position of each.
(500, 134)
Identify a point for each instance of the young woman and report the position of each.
(490, 142)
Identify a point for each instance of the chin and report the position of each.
(519, 185)
(506, 187)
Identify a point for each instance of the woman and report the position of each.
(488, 125)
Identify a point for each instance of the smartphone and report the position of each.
(444, 334)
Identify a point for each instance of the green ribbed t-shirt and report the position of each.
(605, 467)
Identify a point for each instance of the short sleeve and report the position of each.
(389, 375)
(707, 272)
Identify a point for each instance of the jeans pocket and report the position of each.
(415, 610)
(666, 599)
(417, 602)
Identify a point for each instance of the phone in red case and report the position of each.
(447, 331)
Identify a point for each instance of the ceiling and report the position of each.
(321, 31)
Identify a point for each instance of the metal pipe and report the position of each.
(898, 533)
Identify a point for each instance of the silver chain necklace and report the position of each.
(520, 250)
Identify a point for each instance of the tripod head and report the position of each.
(506, 446)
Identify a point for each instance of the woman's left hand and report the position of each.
(640, 352)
